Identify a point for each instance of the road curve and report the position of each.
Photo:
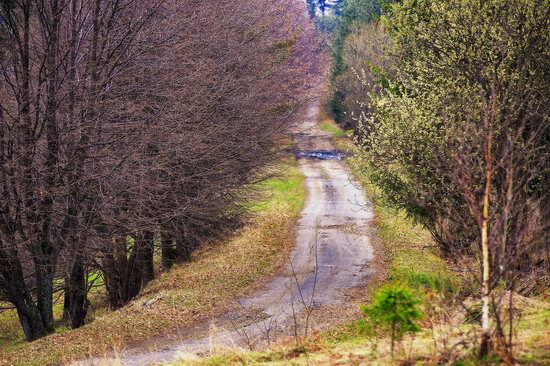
(331, 255)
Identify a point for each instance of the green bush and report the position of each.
(353, 27)
(397, 309)
(424, 137)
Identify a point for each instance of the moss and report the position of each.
(332, 129)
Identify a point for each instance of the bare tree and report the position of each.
(127, 126)
(63, 58)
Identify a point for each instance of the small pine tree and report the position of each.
(395, 307)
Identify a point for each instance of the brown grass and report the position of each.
(208, 285)
(410, 257)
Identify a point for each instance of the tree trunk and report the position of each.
(34, 325)
(168, 251)
(140, 264)
(115, 270)
(29, 317)
(148, 238)
(66, 294)
(132, 281)
(121, 263)
(113, 282)
(78, 289)
(44, 288)
(184, 249)
(485, 259)
(19, 295)
(485, 285)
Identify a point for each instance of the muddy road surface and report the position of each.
(331, 255)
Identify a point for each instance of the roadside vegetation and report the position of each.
(217, 275)
(137, 196)
(131, 136)
(449, 132)
(446, 289)
(444, 293)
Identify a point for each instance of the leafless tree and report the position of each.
(128, 126)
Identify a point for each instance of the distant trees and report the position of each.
(127, 131)
(337, 7)
(324, 13)
(364, 61)
(456, 134)
(353, 15)
(322, 6)
(312, 8)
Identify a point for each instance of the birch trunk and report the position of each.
(485, 260)
(485, 295)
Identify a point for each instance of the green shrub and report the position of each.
(395, 308)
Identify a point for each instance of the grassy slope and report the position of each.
(411, 259)
(408, 248)
(217, 275)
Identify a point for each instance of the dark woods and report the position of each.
(129, 130)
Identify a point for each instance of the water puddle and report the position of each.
(322, 154)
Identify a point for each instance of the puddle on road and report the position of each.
(322, 154)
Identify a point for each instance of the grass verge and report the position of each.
(411, 258)
(328, 126)
(209, 284)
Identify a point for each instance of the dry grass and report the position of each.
(205, 287)
(340, 138)
(410, 257)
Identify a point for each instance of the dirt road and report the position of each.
(331, 255)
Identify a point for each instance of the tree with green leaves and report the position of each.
(338, 7)
(353, 13)
(353, 16)
(458, 137)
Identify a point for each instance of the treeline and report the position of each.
(129, 129)
(323, 7)
(353, 15)
(452, 106)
